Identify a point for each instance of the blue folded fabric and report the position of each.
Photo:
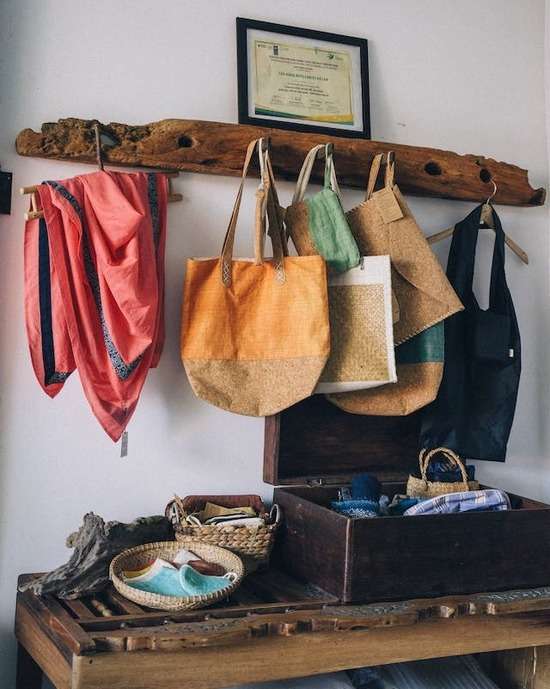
(490, 500)
(356, 509)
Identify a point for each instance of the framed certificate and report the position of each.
(300, 79)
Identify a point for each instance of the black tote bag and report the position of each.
(474, 409)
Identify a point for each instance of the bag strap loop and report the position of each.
(375, 170)
(330, 181)
(265, 201)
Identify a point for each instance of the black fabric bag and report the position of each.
(475, 406)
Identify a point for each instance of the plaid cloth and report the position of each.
(490, 500)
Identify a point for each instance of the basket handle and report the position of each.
(426, 457)
(175, 510)
(275, 514)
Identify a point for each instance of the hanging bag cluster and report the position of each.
(255, 333)
(474, 410)
(383, 224)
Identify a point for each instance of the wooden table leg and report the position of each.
(29, 674)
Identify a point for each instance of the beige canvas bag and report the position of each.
(361, 331)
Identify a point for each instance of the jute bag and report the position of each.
(255, 333)
(361, 328)
(419, 365)
(318, 225)
(383, 224)
(422, 488)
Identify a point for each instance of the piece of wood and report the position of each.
(43, 646)
(282, 657)
(524, 668)
(29, 674)
(216, 148)
(95, 544)
(316, 441)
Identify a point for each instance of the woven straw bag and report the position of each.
(252, 543)
(139, 557)
(422, 488)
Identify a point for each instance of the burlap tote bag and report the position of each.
(421, 487)
(317, 224)
(255, 332)
(361, 330)
(384, 224)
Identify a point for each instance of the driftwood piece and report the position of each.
(95, 544)
(218, 149)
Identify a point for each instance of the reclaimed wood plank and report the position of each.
(218, 148)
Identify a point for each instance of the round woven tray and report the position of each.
(140, 556)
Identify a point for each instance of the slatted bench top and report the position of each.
(272, 627)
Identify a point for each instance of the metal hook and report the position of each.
(495, 189)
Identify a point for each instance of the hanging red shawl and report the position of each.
(94, 287)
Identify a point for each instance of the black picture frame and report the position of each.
(244, 25)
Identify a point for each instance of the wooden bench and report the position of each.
(272, 628)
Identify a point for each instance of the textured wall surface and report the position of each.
(466, 76)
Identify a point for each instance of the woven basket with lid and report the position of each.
(252, 543)
(142, 555)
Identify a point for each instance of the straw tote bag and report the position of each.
(361, 329)
(255, 333)
(318, 225)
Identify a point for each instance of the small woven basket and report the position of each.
(422, 488)
(252, 543)
(139, 557)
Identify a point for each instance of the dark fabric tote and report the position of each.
(475, 406)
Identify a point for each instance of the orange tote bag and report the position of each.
(255, 332)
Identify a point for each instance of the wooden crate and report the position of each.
(313, 448)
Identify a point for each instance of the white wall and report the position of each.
(465, 76)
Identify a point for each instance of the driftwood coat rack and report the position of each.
(218, 149)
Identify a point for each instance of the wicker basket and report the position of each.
(252, 544)
(136, 558)
(422, 488)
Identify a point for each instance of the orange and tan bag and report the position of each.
(255, 332)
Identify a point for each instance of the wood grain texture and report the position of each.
(361, 560)
(315, 440)
(309, 654)
(216, 148)
(43, 647)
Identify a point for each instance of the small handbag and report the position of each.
(317, 224)
(422, 488)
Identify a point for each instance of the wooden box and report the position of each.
(313, 448)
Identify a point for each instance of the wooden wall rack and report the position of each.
(218, 149)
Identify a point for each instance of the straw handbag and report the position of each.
(142, 555)
(252, 543)
(422, 488)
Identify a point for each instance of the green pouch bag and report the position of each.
(318, 225)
